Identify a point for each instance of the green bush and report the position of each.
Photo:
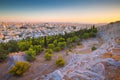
(57, 49)
(37, 48)
(47, 56)
(85, 35)
(62, 45)
(30, 58)
(69, 41)
(60, 62)
(12, 46)
(55, 42)
(92, 34)
(24, 45)
(49, 51)
(30, 55)
(3, 54)
(93, 48)
(19, 68)
(3, 57)
(51, 46)
(61, 40)
(75, 39)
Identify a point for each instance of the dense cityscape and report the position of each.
(18, 31)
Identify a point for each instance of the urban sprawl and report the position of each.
(17, 31)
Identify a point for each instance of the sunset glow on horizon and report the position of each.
(80, 11)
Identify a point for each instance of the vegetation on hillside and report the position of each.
(34, 46)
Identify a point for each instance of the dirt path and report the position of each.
(3, 70)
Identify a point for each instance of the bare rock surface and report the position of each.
(16, 57)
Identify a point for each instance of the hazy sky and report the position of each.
(83, 11)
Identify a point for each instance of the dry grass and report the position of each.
(110, 55)
(115, 57)
(107, 55)
(117, 40)
(85, 51)
(16, 53)
(111, 73)
(116, 50)
(80, 46)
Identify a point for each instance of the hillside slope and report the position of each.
(92, 66)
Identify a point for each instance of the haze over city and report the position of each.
(75, 11)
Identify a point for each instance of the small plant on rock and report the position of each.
(60, 62)
(93, 48)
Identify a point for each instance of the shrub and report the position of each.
(30, 58)
(85, 35)
(3, 57)
(67, 51)
(30, 55)
(12, 46)
(51, 46)
(61, 39)
(3, 54)
(19, 68)
(60, 62)
(62, 45)
(37, 48)
(92, 34)
(47, 56)
(49, 51)
(57, 48)
(55, 42)
(75, 39)
(93, 48)
(23, 45)
(69, 41)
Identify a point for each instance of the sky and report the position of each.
(75, 11)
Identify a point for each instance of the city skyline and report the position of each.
(76, 11)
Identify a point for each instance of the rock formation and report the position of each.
(91, 66)
(16, 57)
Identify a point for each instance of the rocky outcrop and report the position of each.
(16, 57)
(91, 66)
(109, 31)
